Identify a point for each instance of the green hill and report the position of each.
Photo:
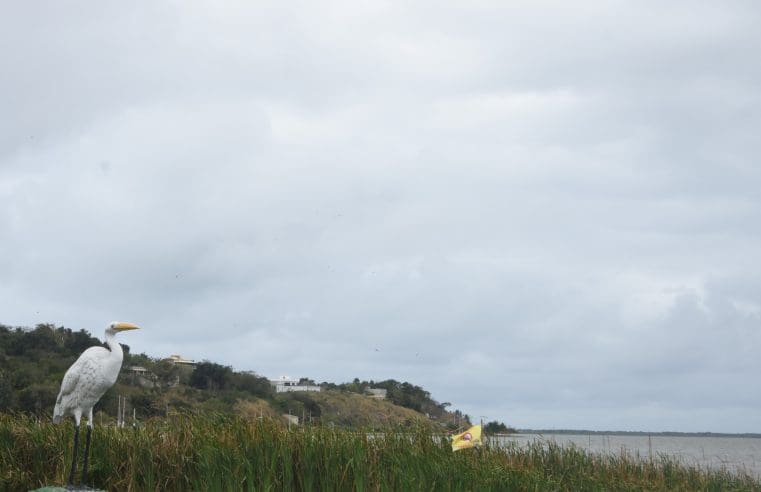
(34, 360)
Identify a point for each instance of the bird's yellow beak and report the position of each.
(121, 326)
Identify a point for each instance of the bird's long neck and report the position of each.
(113, 345)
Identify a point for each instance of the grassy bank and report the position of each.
(229, 453)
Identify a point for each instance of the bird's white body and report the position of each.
(87, 380)
(90, 377)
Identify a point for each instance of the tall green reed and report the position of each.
(219, 452)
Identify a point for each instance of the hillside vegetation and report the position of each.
(34, 360)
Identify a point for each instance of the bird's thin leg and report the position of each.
(74, 454)
(87, 452)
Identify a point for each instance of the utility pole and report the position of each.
(121, 413)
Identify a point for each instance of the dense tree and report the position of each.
(145, 405)
(308, 403)
(33, 362)
(78, 341)
(167, 373)
(495, 427)
(211, 376)
(7, 395)
(251, 383)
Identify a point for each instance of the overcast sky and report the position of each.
(545, 213)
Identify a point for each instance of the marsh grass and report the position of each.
(214, 452)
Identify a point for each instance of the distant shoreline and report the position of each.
(636, 433)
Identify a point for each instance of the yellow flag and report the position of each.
(468, 439)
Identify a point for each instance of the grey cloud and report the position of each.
(542, 214)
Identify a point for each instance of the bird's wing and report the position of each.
(70, 380)
(82, 366)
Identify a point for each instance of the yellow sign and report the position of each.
(467, 439)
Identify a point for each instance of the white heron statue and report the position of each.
(85, 382)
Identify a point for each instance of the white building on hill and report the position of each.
(284, 384)
(178, 359)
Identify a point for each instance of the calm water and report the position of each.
(730, 453)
